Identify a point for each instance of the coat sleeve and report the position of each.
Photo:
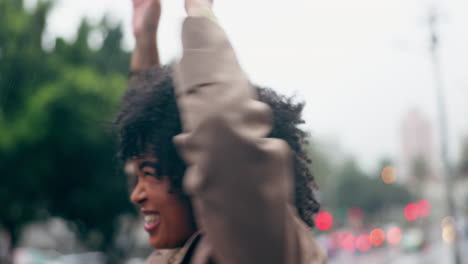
(241, 182)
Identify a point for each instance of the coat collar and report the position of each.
(173, 256)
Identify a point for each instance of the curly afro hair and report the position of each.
(149, 117)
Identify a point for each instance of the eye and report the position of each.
(149, 168)
(148, 171)
(151, 172)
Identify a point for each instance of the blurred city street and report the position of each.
(438, 253)
(379, 91)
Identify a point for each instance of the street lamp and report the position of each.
(446, 170)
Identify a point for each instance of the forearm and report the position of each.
(145, 54)
(145, 28)
(240, 182)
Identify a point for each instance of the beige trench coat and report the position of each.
(241, 183)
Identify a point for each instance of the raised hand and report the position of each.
(198, 7)
(146, 14)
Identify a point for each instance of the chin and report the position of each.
(154, 243)
(165, 244)
(161, 244)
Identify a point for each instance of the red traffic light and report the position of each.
(324, 221)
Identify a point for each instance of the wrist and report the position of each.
(145, 41)
(145, 55)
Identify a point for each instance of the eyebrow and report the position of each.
(153, 165)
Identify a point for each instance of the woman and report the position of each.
(216, 165)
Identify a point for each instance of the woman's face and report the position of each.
(167, 216)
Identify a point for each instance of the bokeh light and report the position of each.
(411, 212)
(349, 243)
(363, 243)
(324, 221)
(394, 235)
(342, 236)
(129, 168)
(449, 232)
(335, 240)
(377, 237)
(388, 175)
(448, 220)
(424, 208)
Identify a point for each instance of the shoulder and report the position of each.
(159, 257)
(310, 250)
(175, 256)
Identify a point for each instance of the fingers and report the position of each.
(198, 7)
(137, 2)
(146, 14)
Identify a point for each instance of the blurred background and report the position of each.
(385, 87)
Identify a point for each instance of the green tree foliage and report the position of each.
(369, 193)
(325, 161)
(344, 185)
(56, 143)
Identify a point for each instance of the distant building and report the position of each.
(418, 160)
(419, 163)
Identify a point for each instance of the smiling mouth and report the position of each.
(151, 222)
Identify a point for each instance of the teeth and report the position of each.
(151, 219)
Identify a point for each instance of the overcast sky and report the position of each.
(360, 65)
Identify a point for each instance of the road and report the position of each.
(438, 253)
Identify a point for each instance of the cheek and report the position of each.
(177, 210)
(179, 221)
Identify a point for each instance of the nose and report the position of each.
(139, 195)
